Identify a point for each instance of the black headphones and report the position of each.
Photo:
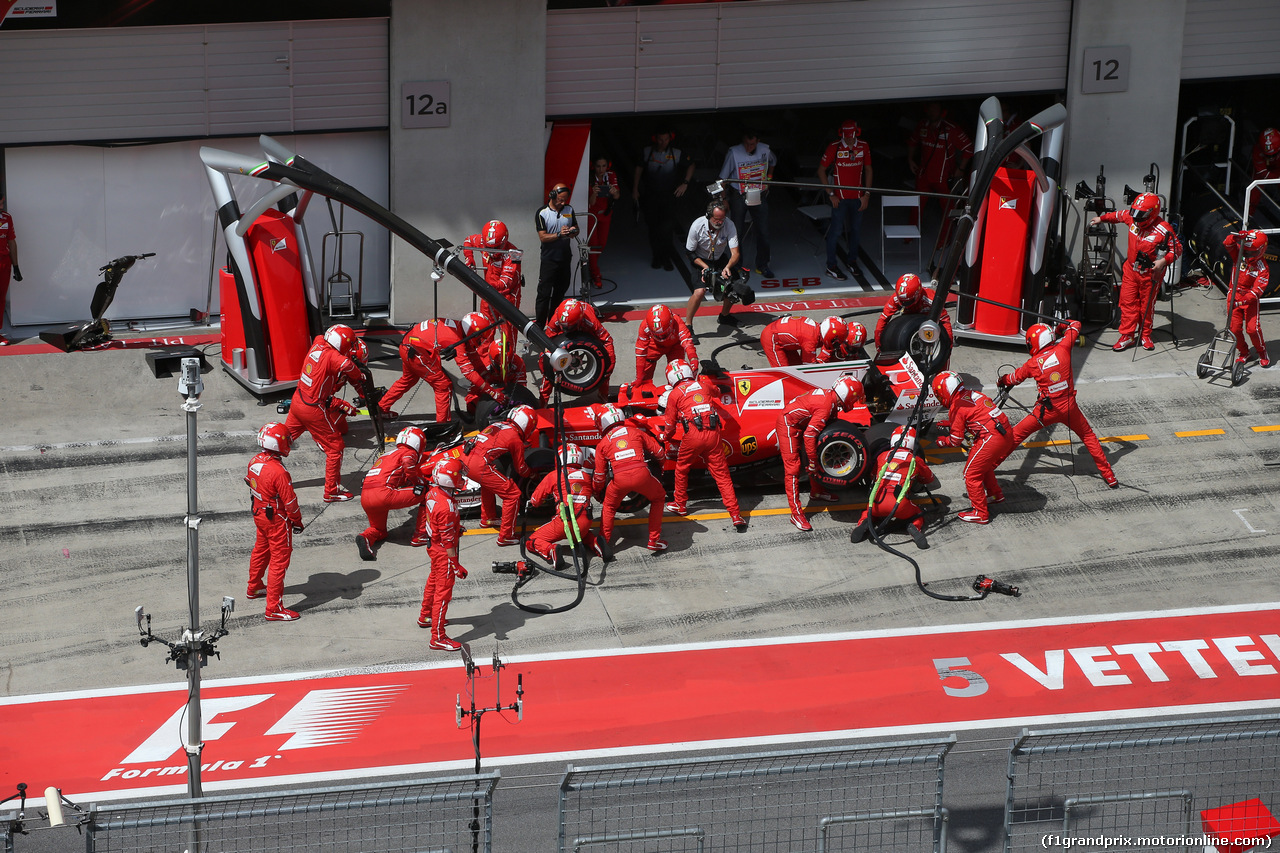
(712, 207)
(556, 190)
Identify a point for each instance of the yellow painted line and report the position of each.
(643, 518)
(1275, 428)
(1138, 437)
(1192, 433)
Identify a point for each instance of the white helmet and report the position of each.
(903, 436)
(274, 437)
(412, 437)
(571, 454)
(611, 416)
(341, 338)
(524, 419)
(678, 371)
(849, 392)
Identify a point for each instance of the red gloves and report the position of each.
(345, 406)
(459, 572)
(1005, 380)
(946, 441)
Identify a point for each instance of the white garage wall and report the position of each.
(724, 55)
(77, 207)
(1230, 38)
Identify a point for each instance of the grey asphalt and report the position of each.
(93, 466)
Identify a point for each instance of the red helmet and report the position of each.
(904, 436)
(850, 128)
(274, 437)
(524, 419)
(473, 321)
(678, 371)
(833, 331)
(571, 314)
(849, 392)
(1039, 336)
(412, 437)
(1270, 141)
(1254, 243)
(448, 474)
(662, 321)
(909, 289)
(856, 335)
(360, 352)
(946, 385)
(1145, 208)
(494, 235)
(340, 338)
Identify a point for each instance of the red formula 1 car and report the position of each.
(847, 447)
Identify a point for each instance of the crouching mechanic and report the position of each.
(899, 469)
(909, 297)
(972, 411)
(394, 482)
(506, 437)
(576, 317)
(422, 353)
(622, 467)
(573, 500)
(277, 518)
(500, 372)
(317, 409)
(1050, 367)
(799, 425)
(851, 348)
(695, 405)
(1252, 278)
(793, 340)
(445, 529)
(662, 333)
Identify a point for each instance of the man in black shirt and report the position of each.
(556, 228)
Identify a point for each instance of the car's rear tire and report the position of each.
(842, 456)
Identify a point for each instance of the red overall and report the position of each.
(1138, 287)
(1252, 278)
(543, 540)
(799, 425)
(649, 349)
(494, 442)
(972, 411)
(312, 410)
(445, 529)
(590, 325)
(923, 305)
(695, 405)
(625, 451)
(792, 340)
(389, 485)
(420, 359)
(892, 480)
(275, 514)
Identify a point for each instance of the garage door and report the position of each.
(728, 55)
(1230, 38)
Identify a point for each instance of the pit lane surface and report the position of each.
(95, 494)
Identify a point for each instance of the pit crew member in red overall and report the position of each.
(420, 358)
(501, 372)
(1050, 367)
(604, 192)
(575, 317)
(1152, 247)
(1252, 279)
(662, 333)
(277, 518)
(501, 264)
(572, 497)
(444, 529)
(937, 153)
(1266, 164)
(695, 404)
(622, 467)
(317, 409)
(394, 482)
(898, 469)
(909, 297)
(851, 348)
(797, 340)
(799, 425)
(506, 437)
(974, 412)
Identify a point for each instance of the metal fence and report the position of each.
(1144, 786)
(873, 797)
(418, 816)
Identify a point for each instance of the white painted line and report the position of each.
(1240, 515)
(116, 442)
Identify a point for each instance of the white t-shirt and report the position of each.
(708, 246)
(744, 168)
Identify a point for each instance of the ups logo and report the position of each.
(744, 385)
(748, 444)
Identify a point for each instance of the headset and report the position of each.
(723, 205)
(557, 190)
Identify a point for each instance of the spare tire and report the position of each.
(842, 456)
(589, 363)
(900, 336)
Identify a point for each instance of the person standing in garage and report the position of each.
(744, 166)
(662, 177)
(937, 153)
(847, 162)
(8, 260)
(556, 230)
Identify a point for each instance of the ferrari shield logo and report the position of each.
(748, 444)
(744, 386)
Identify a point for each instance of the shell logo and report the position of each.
(621, 444)
(698, 398)
(1055, 376)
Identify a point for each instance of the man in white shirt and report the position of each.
(745, 166)
(712, 244)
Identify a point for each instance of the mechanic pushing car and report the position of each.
(974, 412)
(622, 467)
(1050, 367)
(802, 340)
(694, 404)
(799, 425)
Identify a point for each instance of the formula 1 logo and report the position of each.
(748, 444)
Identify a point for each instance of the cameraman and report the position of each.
(712, 248)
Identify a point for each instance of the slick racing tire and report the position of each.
(900, 335)
(842, 456)
(877, 437)
(588, 363)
